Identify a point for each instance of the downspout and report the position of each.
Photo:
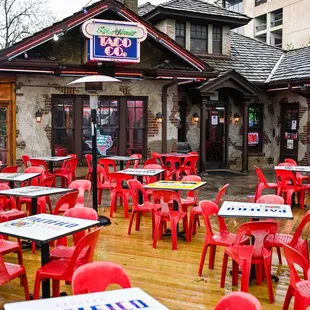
(165, 114)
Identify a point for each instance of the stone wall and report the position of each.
(35, 92)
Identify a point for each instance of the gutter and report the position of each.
(165, 114)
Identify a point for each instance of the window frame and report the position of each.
(215, 27)
(256, 129)
(178, 35)
(199, 38)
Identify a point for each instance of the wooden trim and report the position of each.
(13, 127)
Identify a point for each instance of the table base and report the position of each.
(103, 220)
(180, 234)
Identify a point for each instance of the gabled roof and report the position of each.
(145, 8)
(93, 10)
(295, 65)
(198, 7)
(251, 58)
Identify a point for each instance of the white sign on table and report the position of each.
(123, 158)
(34, 191)
(255, 210)
(293, 168)
(52, 158)
(175, 185)
(142, 172)
(18, 177)
(44, 227)
(125, 299)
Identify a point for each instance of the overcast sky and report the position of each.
(64, 8)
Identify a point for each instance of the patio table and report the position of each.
(17, 177)
(293, 168)
(50, 227)
(52, 159)
(122, 159)
(126, 299)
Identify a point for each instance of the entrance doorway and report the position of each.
(289, 131)
(216, 138)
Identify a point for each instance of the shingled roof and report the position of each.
(251, 58)
(199, 6)
(145, 8)
(295, 65)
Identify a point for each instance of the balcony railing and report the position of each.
(259, 2)
(261, 27)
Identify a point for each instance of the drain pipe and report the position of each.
(165, 114)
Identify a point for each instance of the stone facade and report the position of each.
(35, 93)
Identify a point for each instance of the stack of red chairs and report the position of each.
(174, 163)
(103, 182)
(189, 166)
(68, 173)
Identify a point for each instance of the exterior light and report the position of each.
(55, 37)
(236, 118)
(38, 116)
(195, 118)
(159, 117)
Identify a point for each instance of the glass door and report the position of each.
(4, 134)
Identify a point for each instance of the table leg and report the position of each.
(140, 179)
(34, 206)
(50, 166)
(121, 165)
(11, 184)
(45, 257)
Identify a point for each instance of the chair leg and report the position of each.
(224, 267)
(138, 217)
(131, 221)
(288, 297)
(279, 255)
(56, 288)
(258, 274)
(24, 280)
(203, 257)
(191, 223)
(37, 284)
(212, 256)
(112, 204)
(157, 221)
(245, 278)
(174, 237)
(235, 273)
(267, 268)
(126, 207)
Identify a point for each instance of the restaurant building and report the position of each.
(186, 77)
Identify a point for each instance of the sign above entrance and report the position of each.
(116, 41)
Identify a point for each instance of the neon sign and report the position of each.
(253, 138)
(104, 142)
(113, 40)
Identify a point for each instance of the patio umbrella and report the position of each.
(93, 85)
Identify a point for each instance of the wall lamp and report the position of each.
(195, 118)
(236, 118)
(159, 117)
(38, 116)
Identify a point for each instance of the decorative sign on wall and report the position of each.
(104, 142)
(253, 138)
(116, 41)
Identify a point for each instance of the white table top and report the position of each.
(142, 172)
(122, 158)
(255, 210)
(126, 299)
(175, 185)
(44, 227)
(293, 168)
(17, 177)
(34, 191)
(52, 158)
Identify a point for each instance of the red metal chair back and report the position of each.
(26, 161)
(260, 176)
(278, 200)
(238, 301)
(101, 175)
(10, 169)
(108, 165)
(135, 188)
(150, 161)
(158, 158)
(38, 179)
(82, 186)
(47, 182)
(173, 163)
(153, 179)
(193, 178)
(293, 258)
(220, 194)
(89, 159)
(163, 200)
(105, 273)
(68, 199)
(71, 165)
(6, 200)
(117, 180)
(290, 161)
(39, 163)
(286, 180)
(190, 164)
(135, 163)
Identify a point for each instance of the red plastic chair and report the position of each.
(35, 181)
(105, 273)
(89, 159)
(136, 188)
(103, 182)
(174, 163)
(300, 177)
(135, 163)
(62, 250)
(66, 202)
(150, 161)
(296, 240)
(238, 301)
(64, 163)
(275, 199)
(189, 166)
(10, 169)
(288, 185)
(164, 212)
(68, 172)
(42, 164)
(149, 180)
(262, 183)
(7, 247)
(26, 161)
(62, 269)
(302, 295)
(257, 254)
(196, 211)
(108, 165)
(10, 271)
(222, 238)
(82, 186)
(294, 258)
(117, 190)
(158, 159)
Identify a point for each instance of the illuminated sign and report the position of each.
(104, 142)
(253, 138)
(113, 40)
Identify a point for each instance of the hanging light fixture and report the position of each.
(159, 117)
(236, 118)
(196, 118)
(38, 116)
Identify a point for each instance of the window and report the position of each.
(235, 5)
(199, 38)
(259, 2)
(180, 33)
(255, 132)
(217, 40)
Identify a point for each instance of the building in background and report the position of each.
(281, 23)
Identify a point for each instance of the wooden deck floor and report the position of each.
(169, 276)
